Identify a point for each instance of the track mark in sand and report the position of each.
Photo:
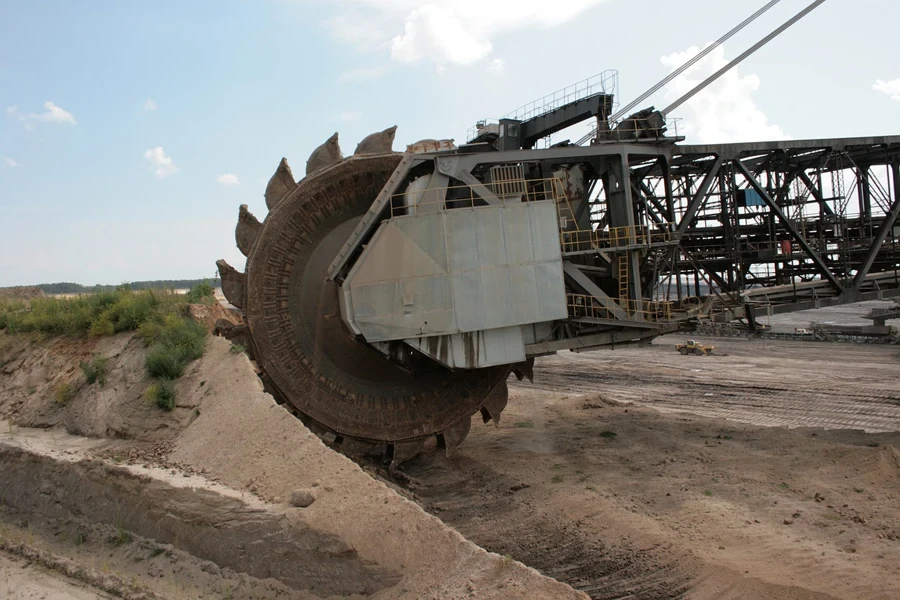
(713, 390)
(491, 509)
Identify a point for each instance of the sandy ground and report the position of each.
(603, 475)
(768, 470)
(22, 580)
(847, 314)
(69, 495)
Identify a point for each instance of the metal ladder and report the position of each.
(623, 280)
(565, 215)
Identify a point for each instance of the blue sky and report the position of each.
(130, 131)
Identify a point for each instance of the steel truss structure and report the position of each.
(786, 225)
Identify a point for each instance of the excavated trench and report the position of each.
(613, 500)
(208, 500)
(65, 494)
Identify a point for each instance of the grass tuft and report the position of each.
(103, 313)
(202, 293)
(162, 393)
(119, 538)
(94, 370)
(63, 393)
(177, 340)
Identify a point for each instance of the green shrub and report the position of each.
(95, 370)
(165, 362)
(119, 538)
(103, 313)
(63, 393)
(202, 293)
(162, 393)
(183, 333)
(177, 341)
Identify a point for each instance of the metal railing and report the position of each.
(584, 306)
(414, 201)
(605, 82)
(579, 240)
(630, 130)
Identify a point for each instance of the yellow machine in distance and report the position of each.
(692, 347)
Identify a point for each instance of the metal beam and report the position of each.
(814, 190)
(596, 340)
(646, 194)
(812, 254)
(585, 283)
(699, 198)
(565, 116)
(883, 231)
(779, 309)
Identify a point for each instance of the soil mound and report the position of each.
(225, 431)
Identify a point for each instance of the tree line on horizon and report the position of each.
(159, 284)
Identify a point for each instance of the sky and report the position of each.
(130, 132)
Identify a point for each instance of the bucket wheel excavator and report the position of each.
(350, 393)
(387, 296)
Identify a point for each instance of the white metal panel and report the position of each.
(474, 350)
(459, 271)
(462, 238)
(412, 307)
(426, 232)
(544, 236)
(517, 229)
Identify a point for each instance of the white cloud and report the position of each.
(163, 163)
(496, 65)
(150, 104)
(9, 162)
(350, 115)
(436, 32)
(54, 114)
(445, 31)
(228, 179)
(891, 88)
(724, 111)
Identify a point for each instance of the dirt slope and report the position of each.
(586, 483)
(225, 430)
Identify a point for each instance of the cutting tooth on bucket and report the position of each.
(404, 451)
(232, 283)
(325, 155)
(454, 435)
(495, 403)
(380, 142)
(353, 398)
(524, 370)
(280, 185)
(246, 231)
(360, 448)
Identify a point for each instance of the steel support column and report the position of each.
(889, 219)
(699, 198)
(810, 252)
(814, 190)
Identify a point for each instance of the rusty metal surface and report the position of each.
(301, 343)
